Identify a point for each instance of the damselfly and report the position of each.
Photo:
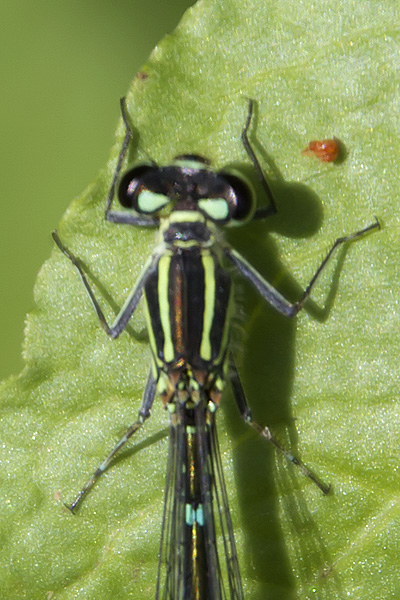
(188, 294)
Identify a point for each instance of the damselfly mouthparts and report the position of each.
(188, 297)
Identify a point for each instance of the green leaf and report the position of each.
(316, 71)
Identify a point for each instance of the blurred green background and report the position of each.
(64, 66)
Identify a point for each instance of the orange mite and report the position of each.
(325, 150)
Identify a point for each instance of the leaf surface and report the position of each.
(326, 384)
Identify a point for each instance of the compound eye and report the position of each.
(241, 200)
(130, 184)
(141, 189)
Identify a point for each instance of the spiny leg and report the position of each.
(132, 301)
(124, 148)
(270, 294)
(77, 264)
(144, 413)
(263, 430)
(338, 242)
(260, 213)
(122, 217)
